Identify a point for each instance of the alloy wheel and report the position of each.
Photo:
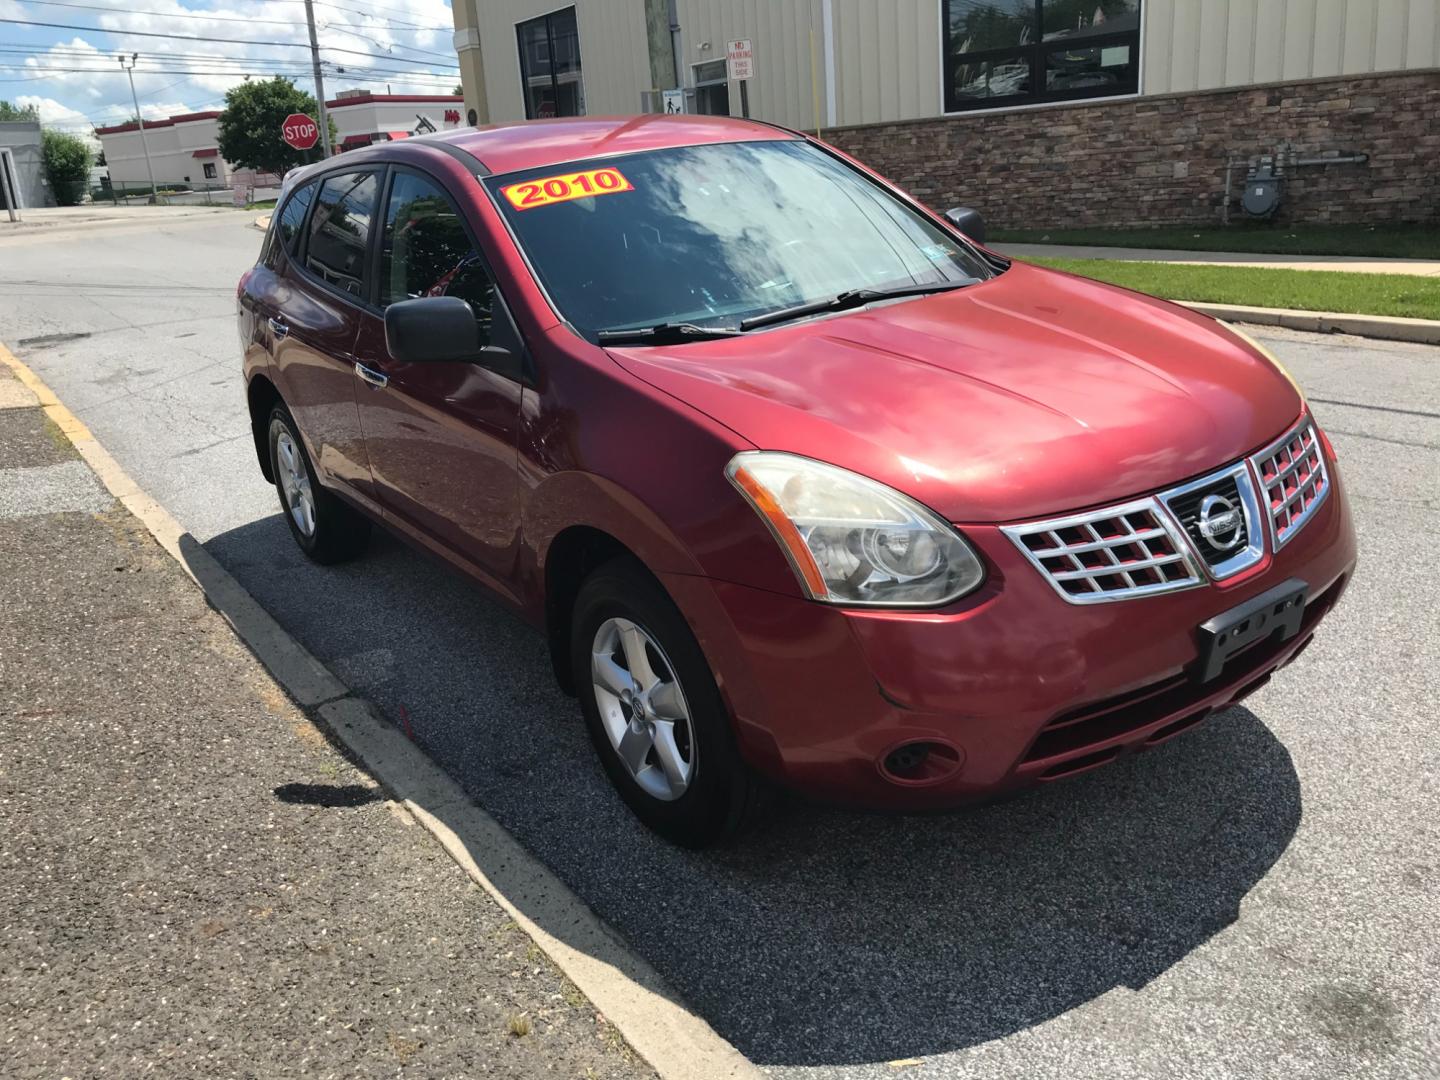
(643, 709)
(295, 483)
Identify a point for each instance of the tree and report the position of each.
(459, 90)
(250, 126)
(18, 112)
(66, 160)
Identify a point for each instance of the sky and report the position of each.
(74, 77)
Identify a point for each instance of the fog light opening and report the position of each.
(921, 763)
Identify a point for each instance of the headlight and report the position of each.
(1267, 354)
(851, 540)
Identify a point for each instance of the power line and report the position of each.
(226, 18)
(78, 55)
(380, 44)
(340, 27)
(367, 75)
(370, 15)
(226, 41)
(361, 75)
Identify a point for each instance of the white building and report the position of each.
(184, 150)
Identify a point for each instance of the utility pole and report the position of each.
(324, 118)
(144, 143)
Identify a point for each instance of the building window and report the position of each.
(1017, 52)
(209, 171)
(550, 65)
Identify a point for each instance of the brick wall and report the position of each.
(1161, 160)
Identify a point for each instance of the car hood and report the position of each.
(1032, 393)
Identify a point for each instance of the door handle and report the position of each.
(374, 378)
(278, 327)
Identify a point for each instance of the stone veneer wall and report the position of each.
(1161, 160)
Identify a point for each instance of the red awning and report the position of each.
(211, 152)
(352, 141)
(398, 135)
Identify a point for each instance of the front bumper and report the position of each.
(1013, 684)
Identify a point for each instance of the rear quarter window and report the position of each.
(285, 230)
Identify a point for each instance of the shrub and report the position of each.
(66, 160)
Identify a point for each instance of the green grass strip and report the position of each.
(1376, 241)
(1309, 290)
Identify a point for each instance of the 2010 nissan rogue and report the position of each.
(805, 486)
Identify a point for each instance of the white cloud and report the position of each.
(53, 114)
(162, 80)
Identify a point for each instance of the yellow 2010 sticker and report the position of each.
(553, 189)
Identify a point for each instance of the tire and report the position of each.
(720, 796)
(327, 529)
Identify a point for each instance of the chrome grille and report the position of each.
(1293, 480)
(1226, 552)
(1111, 554)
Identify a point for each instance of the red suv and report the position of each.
(804, 486)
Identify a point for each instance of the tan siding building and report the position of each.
(1355, 78)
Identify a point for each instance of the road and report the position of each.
(1254, 899)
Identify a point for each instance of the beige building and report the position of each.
(1004, 76)
(867, 61)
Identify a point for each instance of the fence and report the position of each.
(133, 194)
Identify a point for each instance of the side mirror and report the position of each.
(968, 222)
(432, 329)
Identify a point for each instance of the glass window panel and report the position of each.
(425, 251)
(1107, 69)
(535, 73)
(1087, 18)
(340, 230)
(293, 216)
(564, 42)
(550, 66)
(1006, 77)
(710, 71)
(982, 25)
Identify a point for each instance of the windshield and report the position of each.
(712, 235)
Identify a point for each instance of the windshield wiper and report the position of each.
(850, 298)
(664, 333)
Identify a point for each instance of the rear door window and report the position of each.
(340, 230)
(426, 251)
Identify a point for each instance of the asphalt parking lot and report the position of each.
(1254, 899)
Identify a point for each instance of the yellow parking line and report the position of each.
(62, 417)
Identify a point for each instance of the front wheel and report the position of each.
(654, 712)
(327, 530)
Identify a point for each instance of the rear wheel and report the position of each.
(327, 530)
(654, 712)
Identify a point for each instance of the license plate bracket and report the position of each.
(1278, 612)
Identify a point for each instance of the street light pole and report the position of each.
(144, 143)
(319, 80)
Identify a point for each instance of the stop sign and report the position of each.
(299, 131)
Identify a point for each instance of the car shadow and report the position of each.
(828, 937)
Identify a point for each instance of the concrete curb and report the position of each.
(623, 987)
(1421, 331)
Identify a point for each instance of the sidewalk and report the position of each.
(1350, 263)
(193, 881)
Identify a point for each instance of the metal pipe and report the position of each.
(1349, 159)
(675, 46)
